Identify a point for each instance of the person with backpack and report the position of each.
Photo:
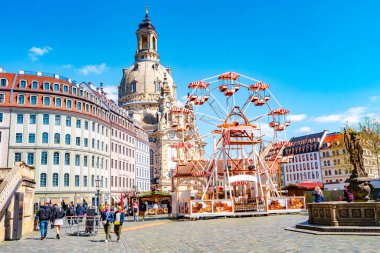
(142, 210)
(118, 223)
(107, 220)
(44, 215)
(57, 218)
(70, 213)
(135, 209)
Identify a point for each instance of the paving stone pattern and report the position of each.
(249, 234)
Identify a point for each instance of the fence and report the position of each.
(82, 225)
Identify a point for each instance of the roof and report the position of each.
(330, 138)
(307, 137)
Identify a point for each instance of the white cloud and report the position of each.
(36, 52)
(67, 66)
(297, 117)
(304, 129)
(374, 98)
(112, 92)
(352, 115)
(96, 69)
(182, 101)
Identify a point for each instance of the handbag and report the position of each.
(104, 222)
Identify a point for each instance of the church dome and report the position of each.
(143, 81)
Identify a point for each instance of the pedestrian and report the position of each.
(79, 212)
(118, 223)
(318, 195)
(70, 213)
(44, 215)
(348, 195)
(142, 210)
(155, 208)
(135, 209)
(107, 220)
(57, 218)
(51, 207)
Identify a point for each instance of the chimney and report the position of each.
(101, 88)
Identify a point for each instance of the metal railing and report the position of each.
(81, 225)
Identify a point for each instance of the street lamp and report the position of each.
(97, 184)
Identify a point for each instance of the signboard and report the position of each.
(215, 207)
(286, 204)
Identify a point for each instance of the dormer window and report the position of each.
(133, 87)
(23, 84)
(3, 82)
(56, 87)
(34, 85)
(46, 86)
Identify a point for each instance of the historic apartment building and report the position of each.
(335, 162)
(147, 90)
(304, 163)
(71, 133)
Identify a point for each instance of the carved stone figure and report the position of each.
(359, 180)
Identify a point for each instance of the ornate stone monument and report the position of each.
(359, 181)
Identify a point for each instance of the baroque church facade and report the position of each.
(148, 91)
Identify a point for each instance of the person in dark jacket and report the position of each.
(318, 195)
(107, 220)
(57, 218)
(79, 212)
(51, 207)
(118, 222)
(348, 195)
(44, 216)
(142, 210)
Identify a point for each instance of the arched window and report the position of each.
(133, 87)
(43, 180)
(329, 172)
(67, 158)
(154, 43)
(66, 180)
(68, 121)
(67, 139)
(340, 171)
(45, 137)
(158, 86)
(328, 162)
(56, 158)
(144, 42)
(57, 138)
(55, 179)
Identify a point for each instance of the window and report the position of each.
(65, 88)
(57, 120)
(77, 141)
(32, 138)
(85, 161)
(133, 87)
(67, 139)
(46, 86)
(66, 180)
(2, 98)
(77, 160)
(44, 158)
(68, 121)
(93, 143)
(74, 91)
(68, 104)
(58, 102)
(46, 101)
(21, 99)
(3, 82)
(158, 87)
(34, 85)
(67, 158)
(55, 179)
(78, 123)
(85, 142)
(17, 157)
(93, 126)
(56, 158)
(33, 100)
(93, 161)
(92, 180)
(84, 181)
(30, 159)
(79, 106)
(1, 117)
(43, 180)
(18, 137)
(20, 118)
(76, 180)
(45, 119)
(86, 125)
(32, 119)
(81, 93)
(45, 137)
(23, 84)
(57, 138)
(56, 87)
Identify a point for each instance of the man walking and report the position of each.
(44, 215)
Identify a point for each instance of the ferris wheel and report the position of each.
(245, 128)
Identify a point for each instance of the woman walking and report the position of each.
(135, 211)
(57, 218)
(107, 220)
(118, 223)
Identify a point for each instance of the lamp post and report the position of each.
(97, 184)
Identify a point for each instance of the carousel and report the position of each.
(246, 127)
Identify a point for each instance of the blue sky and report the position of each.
(321, 58)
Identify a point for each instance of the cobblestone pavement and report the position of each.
(250, 234)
